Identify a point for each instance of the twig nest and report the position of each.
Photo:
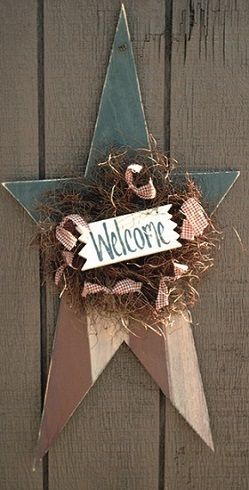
(167, 280)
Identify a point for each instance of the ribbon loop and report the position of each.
(195, 222)
(76, 219)
(125, 286)
(90, 288)
(68, 262)
(66, 238)
(162, 299)
(147, 191)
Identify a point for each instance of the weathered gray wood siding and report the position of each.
(54, 55)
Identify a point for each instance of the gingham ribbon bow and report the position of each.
(66, 237)
(124, 286)
(69, 241)
(147, 191)
(162, 299)
(68, 262)
(195, 222)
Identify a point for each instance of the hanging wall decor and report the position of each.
(126, 242)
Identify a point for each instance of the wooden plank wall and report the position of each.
(20, 315)
(209, 129)
(54, 55)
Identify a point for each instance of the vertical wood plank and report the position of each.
(19, 296)
(113, 439)
(209, 130)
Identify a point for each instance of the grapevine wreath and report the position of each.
(127, 182)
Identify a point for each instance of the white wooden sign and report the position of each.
(128, 237)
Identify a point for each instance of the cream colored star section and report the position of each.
(105, 337)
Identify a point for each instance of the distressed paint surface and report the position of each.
(209, 114)
(215, 185)
(121, 412)
(127, 237)
(120, 120)
(84, 346)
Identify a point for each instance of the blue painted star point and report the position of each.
(120, 123)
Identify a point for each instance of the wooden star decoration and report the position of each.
(77, 359)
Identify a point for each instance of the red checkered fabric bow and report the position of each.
(69, 241)
(68, 262)
(195, 222)
(124, 286)
(66, 237)
(162, 299)
(147, 191)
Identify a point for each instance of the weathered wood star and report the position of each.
(78, 358)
